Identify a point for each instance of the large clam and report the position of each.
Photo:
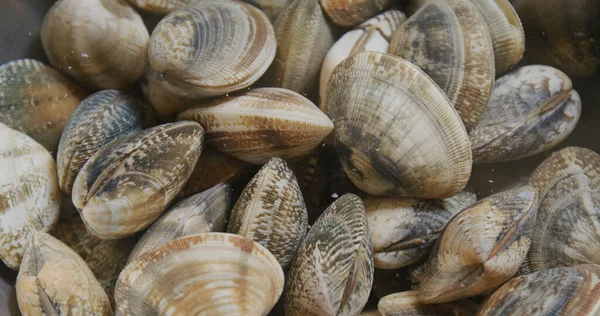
(349, 13)
(408, 304)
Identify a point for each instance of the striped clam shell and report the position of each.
(272, 8)
(408, 304)
(161, 6)
(166, 103)
(349, 13)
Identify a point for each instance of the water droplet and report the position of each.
(335, 195)
(491, 181)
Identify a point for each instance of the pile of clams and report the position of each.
(300, 157)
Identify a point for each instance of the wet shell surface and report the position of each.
(349, 13)
(204, 212)
(212, 48)
(54, 280)
(271, 211)
(37, 100)
(395, 131)
(403, 230)
(100, 118)
(161, 6)
(532, 109)
(567, 229)
(332, 273)
(450, 42)
(481, 247)
(100, 43)
(408, 304)
(259, 124)
(205, 274)
(29, 195)
(559, 291)
(128, 183)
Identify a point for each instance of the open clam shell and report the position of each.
(408, 304)
(349, 13)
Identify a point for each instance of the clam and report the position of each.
(272, 8)
(373, 35)
(481, 247)
(54, 280)
(100, 118)
(128, 183)
(567, 230)
(201, 213)
(259, 124)
(211, 48)
(311, 175)
(29, 195)
(271, 211)
(403, 230)
(532, 109)
(450, 42)
(100, 43)
(165, 102)
(303, 38)
(395, 131)
(332, 273)
(161, 6)
(37, 100)
(558, 291)
(205, 274)
(408, 304)
(415, 273)
(349, 13)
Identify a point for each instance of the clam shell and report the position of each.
(559, 291)
(271, 211)
(100, 43)
(332, 273)
(128, 183)
(259, 124)
(205, 274)
(456, 52)
(532, 109)
(161, 6)
(349, 13)
(37, 100)
(371, 312)
(29, 195)
(54, 280)
(403, 230)
(272, 8)
(163, 99)
(481, 247)
(212, 48)
(395, 131)
(567, 229)
(204, 212)
(100, 118)
(408, 304)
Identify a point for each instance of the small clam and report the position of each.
(272, 8)
(396, 133)
(567, 230)
(205, 274)
(128, 183)
(403, 230)
(349, 13)
(450, 42)
(481, 247)
(559, 291)
(311, 174)
(211, 48)
(29, 194)
(201, 213)
(408, 304)
(161, 6)
(332, 273)
(271, 211)
(100, 43)
(259, 124)
(54, 280)
(37, 100)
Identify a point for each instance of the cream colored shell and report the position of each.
(349, 13)
(161, 6)
(408, 304)
(272, 8)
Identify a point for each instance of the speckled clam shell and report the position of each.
(532, 109)
(481, 247)
(559, 291)
(212, 48)
(567, 229)
(204, 212)
(311, 174)
(373, 35)
(332, 273)
(349, 13)
(271, 211)
(128, 183)
(205, 274)
(408, 304)
(29, 195)
(403, 230)
(166, 102)
(54, 280)
(37, 100)
(272, 8)
(100, 118)
(450, 42)
(396, 133)
(259, 124)
(100, 43)
(161, 6)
